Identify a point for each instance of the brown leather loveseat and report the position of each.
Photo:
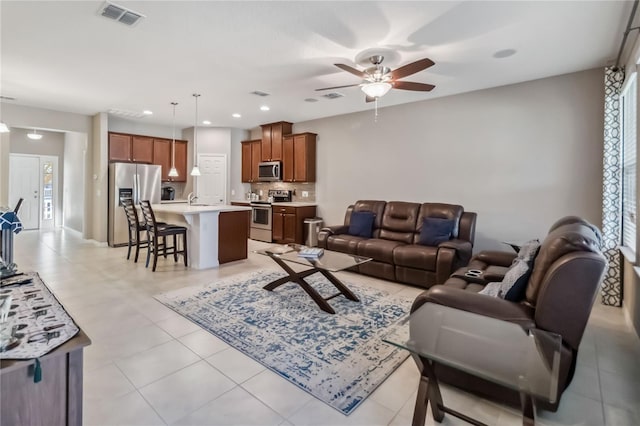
(395, 246)
(560, 292)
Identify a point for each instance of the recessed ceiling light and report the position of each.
(264, 108)
(206, 122)
(236, 115)
(505, 53)
(147, 112)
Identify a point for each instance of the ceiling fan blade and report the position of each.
(369, 98)
(352, 70)
(410, 85)
(338, 87)
(411, 68)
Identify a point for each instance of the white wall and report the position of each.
(521, 156)
(235, 168)
(75, 153)
(118, 124)
(52, 143)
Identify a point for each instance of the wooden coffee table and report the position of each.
(329, 262)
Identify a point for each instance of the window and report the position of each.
(47, 190)
(628, 120)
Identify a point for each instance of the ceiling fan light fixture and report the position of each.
(34, 135)
(376, 90)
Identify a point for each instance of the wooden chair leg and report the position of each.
(184, 248)
(135, 259)
(129, 245)
(151, 247)
(175, 247)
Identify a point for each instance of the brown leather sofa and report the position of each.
(394, 247)
(566, 275)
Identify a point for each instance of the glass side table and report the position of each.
(527, 361)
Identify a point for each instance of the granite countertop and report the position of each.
(284, 204)
(173, 201)
(184, 208)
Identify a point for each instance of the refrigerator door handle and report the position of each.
(136, 189)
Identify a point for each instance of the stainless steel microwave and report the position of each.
(269, 171)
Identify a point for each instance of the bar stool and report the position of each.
(156, 236)
(135, 228)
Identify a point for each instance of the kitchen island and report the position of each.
(215, 234)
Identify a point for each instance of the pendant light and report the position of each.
(195, 171)
(173, 172)
(3, 127)
(34, 135)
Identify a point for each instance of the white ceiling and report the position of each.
(65, 56)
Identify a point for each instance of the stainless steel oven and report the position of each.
(261, 222)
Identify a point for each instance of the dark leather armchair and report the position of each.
(566, 275)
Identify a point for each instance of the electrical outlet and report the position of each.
(233, 192)
(305, 194)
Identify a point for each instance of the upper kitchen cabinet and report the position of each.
(141, 149)
(162, 157)
(251, 157)
(299, 158)
(119, 147)
(272, 134)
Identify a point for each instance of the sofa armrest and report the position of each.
(481, 304)
(328, 231)
(452, 255)
(498, 258)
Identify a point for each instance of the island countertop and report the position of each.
(186, 209)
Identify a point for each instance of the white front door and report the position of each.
(212, 184)
(24, 182)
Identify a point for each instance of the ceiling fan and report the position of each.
(378, 79)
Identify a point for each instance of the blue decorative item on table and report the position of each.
(9, 224)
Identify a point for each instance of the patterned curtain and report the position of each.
(612, 186)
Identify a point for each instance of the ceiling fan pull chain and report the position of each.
(375, 117)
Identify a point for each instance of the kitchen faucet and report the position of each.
(191, 198)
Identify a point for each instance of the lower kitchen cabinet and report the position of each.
(288, 223)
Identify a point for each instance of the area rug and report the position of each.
(340, 359)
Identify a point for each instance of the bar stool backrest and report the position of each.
(132, 214)
(149, 216)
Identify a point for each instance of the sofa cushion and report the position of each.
(375, 206)
(377, 249)
(416, 256)
(399, 221)
(361, 224)
(344, 243)
(440, 210)
(435, 231)
(514, 284)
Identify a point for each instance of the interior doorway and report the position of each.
(35, 179)
(212, 184)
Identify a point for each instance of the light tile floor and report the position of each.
(149, 366)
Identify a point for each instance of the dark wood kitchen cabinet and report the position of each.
(299, 158)
(162, 157)
(288, 223)
(251, 157)
(119, 147)
(272, 134)
(141, 149)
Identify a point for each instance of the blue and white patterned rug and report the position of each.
(340, 359)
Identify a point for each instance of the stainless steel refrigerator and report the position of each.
(134, 181)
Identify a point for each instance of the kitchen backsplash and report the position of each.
(297, 189)
(179, 187)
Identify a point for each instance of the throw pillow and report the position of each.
(514, 284)
(361, 224)
(435, 231)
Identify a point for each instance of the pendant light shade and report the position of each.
(173, 172)
(3, 127)
(195, 171)
(34, 135)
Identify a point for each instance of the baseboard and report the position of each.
(628, 320)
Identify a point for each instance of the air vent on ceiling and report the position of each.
(259, 93)
(7, 98)
(311, 100)
(125, 113)
(333, 95)
(120, 13)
